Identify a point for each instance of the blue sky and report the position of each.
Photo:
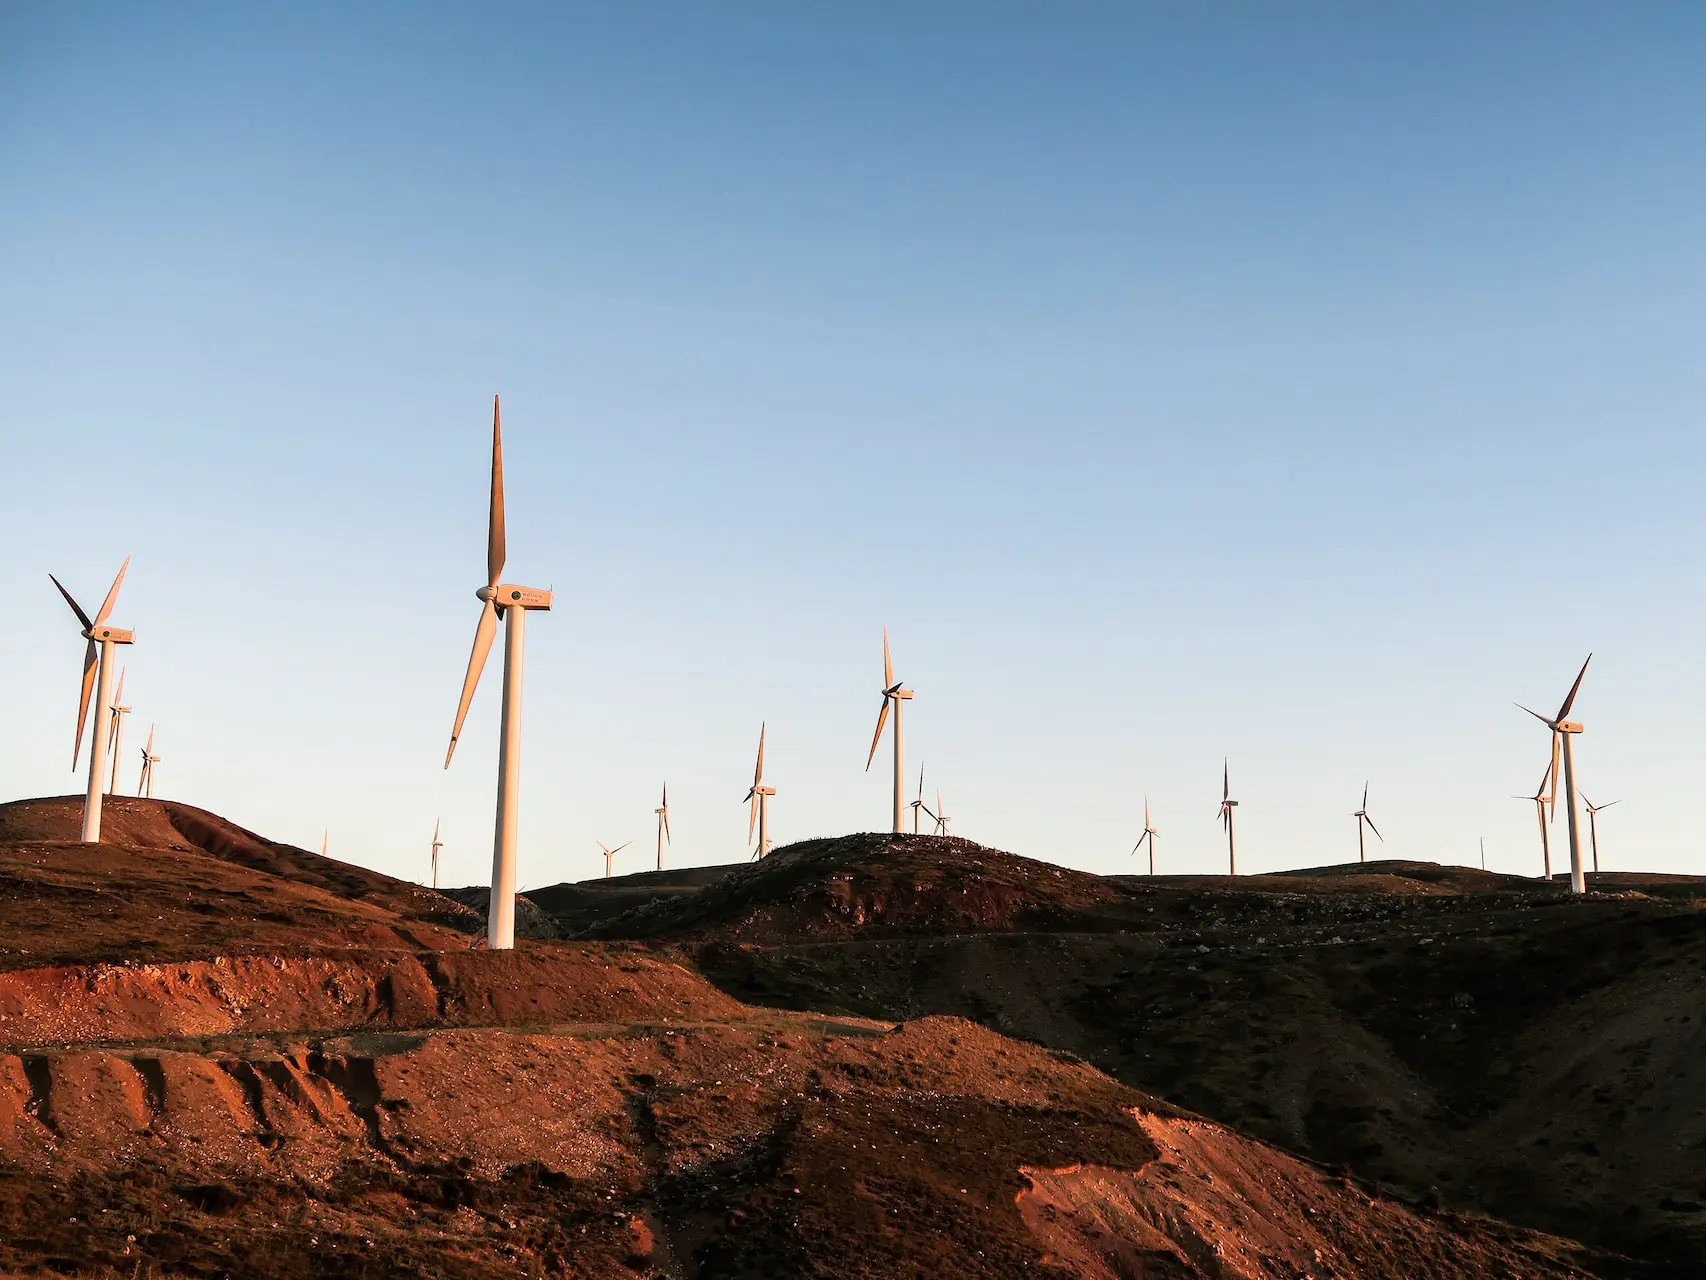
(1301, 384)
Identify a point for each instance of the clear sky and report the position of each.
(1300, 383)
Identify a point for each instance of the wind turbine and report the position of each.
(437, 844)
(145, 780)
(1227, 807)
(610, 854)
(98, 654)
(1361, 815)
(1483, 853)
(760, 797)
(1567, 730)
(119, 712)
(503, 600)
(918, 803)
(325, 835)
(662, 812)
(1148, 837)
(1540, 800)
(1593, 824)
(941, 817)
(892, 692)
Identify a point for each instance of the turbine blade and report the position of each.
(758, 772)
(622, 846)
(1146, 813)
(112, 596)
(1365, 795)
(495, 549)
(1226, 780)
(435, 830)
(75, 607)
(119, 696)
(666, 836)
(1570, 700)
(90, 661)
(1543, 720)
(1374, 828)
(882, 719)
(920, 767)
(752, 819)
(1553, 798)
(483, 635)
(888, 664)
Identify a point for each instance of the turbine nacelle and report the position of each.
(507, 595)
(110, 635)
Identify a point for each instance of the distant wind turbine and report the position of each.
(437, 844)
(760, 797)
(1540, 800)
(98, 656)
(145, 780)
(610, 854)
(1567, 730)
(1228, 808)
(1147, 838)
(892, 692)
(662, 812)
(325, 835)
(1593, 825)
(119, 712)
(512, 603)
(941, 816)
(1361, 815)
(918, 802)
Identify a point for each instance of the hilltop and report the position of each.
(223, 1055)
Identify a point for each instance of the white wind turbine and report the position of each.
(760, 797)
(918, 802)
(662, 812)
(507, 601)
(145, 780)
(941, 816)
(119, 712)
(437, 844)
(1147, 838)
(97, 656)
(1566, 730)
(1228, 810)
(610, 855)
(1361, 815)
(892, 692)
(1593, 825)
(1540, 800)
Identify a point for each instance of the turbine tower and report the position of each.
(512, 603)
(1228, 806)
(1540, 800)
(145, 780)
(1147, 838)
(1361, 815)
(437, 844)
(119, 712)
(1567, 730)
(892, 692)
(1593, 825)
(662, 812)
(610, 855)
(760, 797)
(98, 656)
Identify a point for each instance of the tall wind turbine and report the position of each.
(1147, 838)
(1361, 815)
(662, 812)
(1593, 824)
(610, 854)
(1540, 800)
(97, 656)
(760, 797)
(145, 780)
(437, 844)
(119, 712)
(1228, 808)
(1567, 730)
(892, 692)
(511, 603)
(917, 803)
